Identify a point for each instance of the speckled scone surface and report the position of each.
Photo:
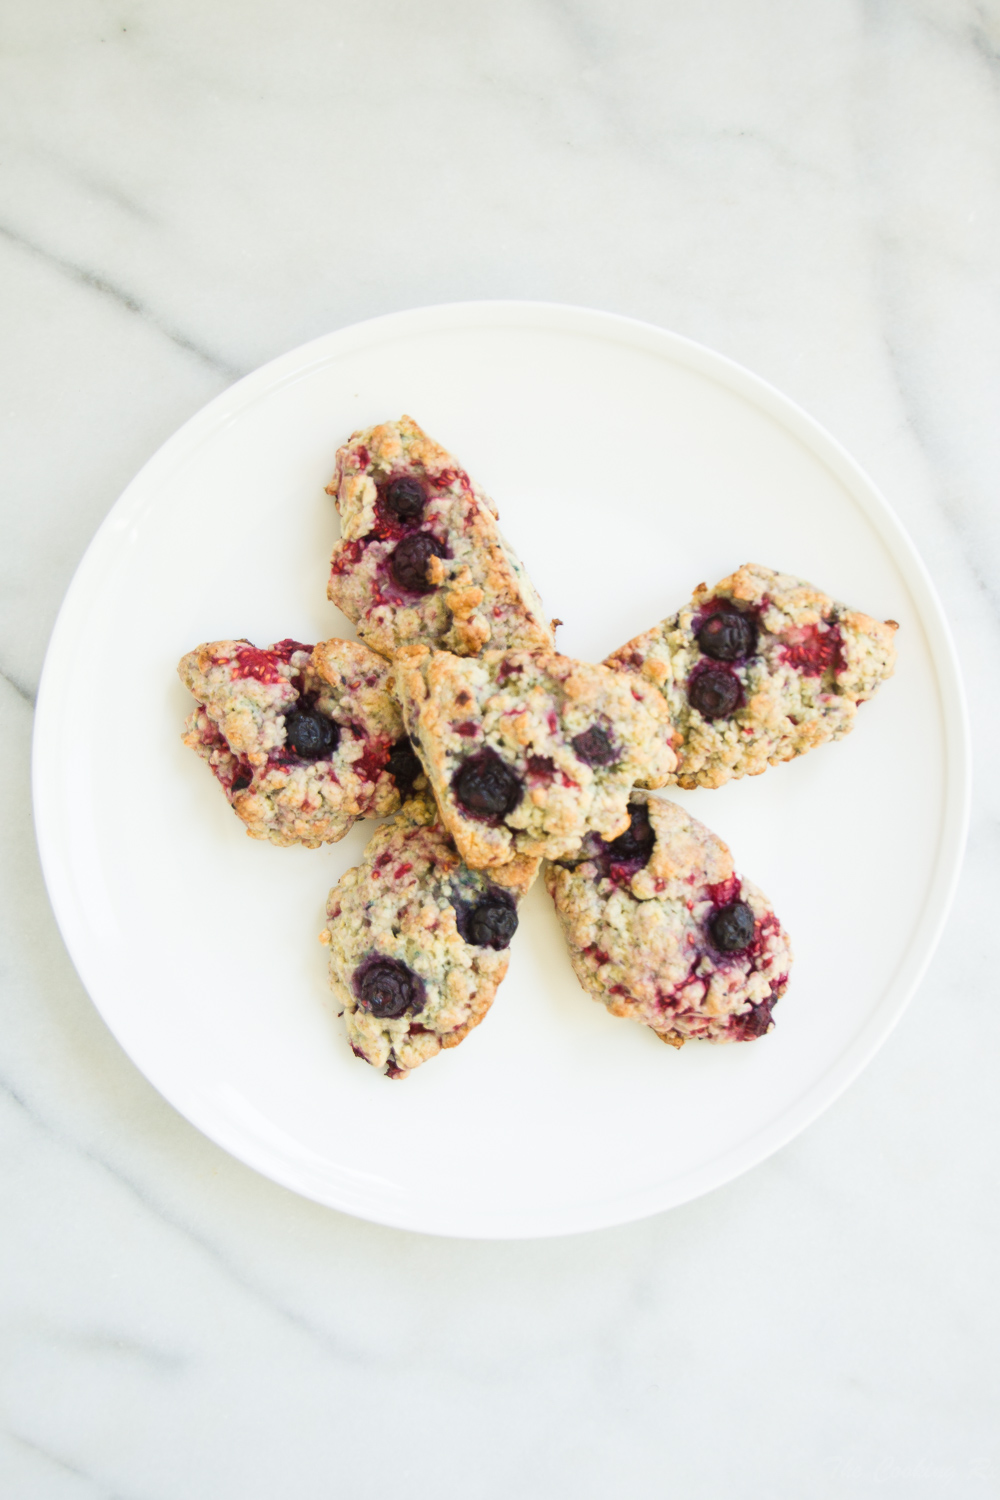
(644, 922)
(421, 558)
(240, 727)
(406, 931)
(794, 666)
(526, 752)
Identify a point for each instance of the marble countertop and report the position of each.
(189, 190)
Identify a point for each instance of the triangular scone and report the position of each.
(303, 740)
(418, 942)
(421, 557)
(662, 930)
(757, 670)
(527, 752)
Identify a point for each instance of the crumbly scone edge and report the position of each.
(785, 712)
(239, 724)
(631, 946)
(482, 594)
(395, 904)
(567, 798)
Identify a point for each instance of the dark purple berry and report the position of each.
(594, 747)
(310, 735)
(403, 765)
(728, 636)
(732, 928)
(486, 786)
(241, 782)
(409, 561)
(386, 988)
(404, 497)
(637, 840)
(714, 692)
(756, 1022)
(492, 923)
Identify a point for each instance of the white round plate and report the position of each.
(628, 465)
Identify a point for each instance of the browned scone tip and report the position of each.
(421, 558)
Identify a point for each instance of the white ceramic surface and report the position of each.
(628, 464)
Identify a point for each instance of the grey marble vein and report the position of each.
(143, 1196)
(20, 688)
(97, 283)
(63, 1465)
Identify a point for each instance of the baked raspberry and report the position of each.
(298, 736)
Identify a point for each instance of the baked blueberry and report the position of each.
(594, 747)
(690, 955)
(757, 1021)
(637, 840)
(386, 988)
(409, 561)
(714, 692)
(727, 635)
(486, 786)
(732, 928)
(404, 497)
(403, 765)
(241, 782)
(310, 735)
(492, 923)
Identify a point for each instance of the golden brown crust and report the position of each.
(528, 708)
(815, 661)
(479, 591)
(640, 936)
(244, 695)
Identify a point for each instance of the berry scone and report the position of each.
(418, 942)
(758, 670)
(421, 558)
(662, 929)
(304, 740)
(526, 752)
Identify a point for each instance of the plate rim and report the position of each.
(295, 364)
